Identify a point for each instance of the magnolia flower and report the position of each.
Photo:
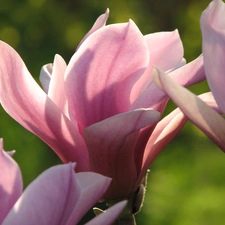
(101, 110)
(205, 115)
(57, 196)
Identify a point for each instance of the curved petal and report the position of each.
(190, 74)
(213, 35)
(186, 75)
(11, 184)
(101, 74)
(109, 216)
(45, 76)
(163, 133)
(182, 63)
(56, 90)
(167, 129)
(209, 121)
(92, 187)
(111, 145)
(141, 84)
(27, 103)
(59, 191)
(209, 99)
(99, 23)
(166, 49)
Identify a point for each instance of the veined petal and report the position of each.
(166, 49)
(111, 145)
(213, 35)
(11, 184)
(99, 23)
(209, 121)
(27, 103)
(186, 75)
(59, 197)
(101, 74)
(109, 216)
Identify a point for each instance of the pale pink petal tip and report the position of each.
(109, 216)
(10, 182)
(99, 23)
(45, 76)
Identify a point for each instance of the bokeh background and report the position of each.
(186, 184)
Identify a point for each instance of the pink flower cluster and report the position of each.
(102, 110)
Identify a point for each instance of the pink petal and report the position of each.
(26, 102)
(213, 34)
(167, 129)
(111, 144)
(166, 49)
(186, 75)
(140, 86)
(56, 86)
(92, 187)
(163, 133)
(166, 52)
(190, 74)
(182, 63)
(52, 80)
(109, 216)
(10, 182)
(209, 121)
(103, 71)
(45, 76)
(54, 196)
(99, 23)
(209, 99)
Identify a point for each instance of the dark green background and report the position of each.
(186, 183)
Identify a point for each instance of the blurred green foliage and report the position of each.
(186, 183)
